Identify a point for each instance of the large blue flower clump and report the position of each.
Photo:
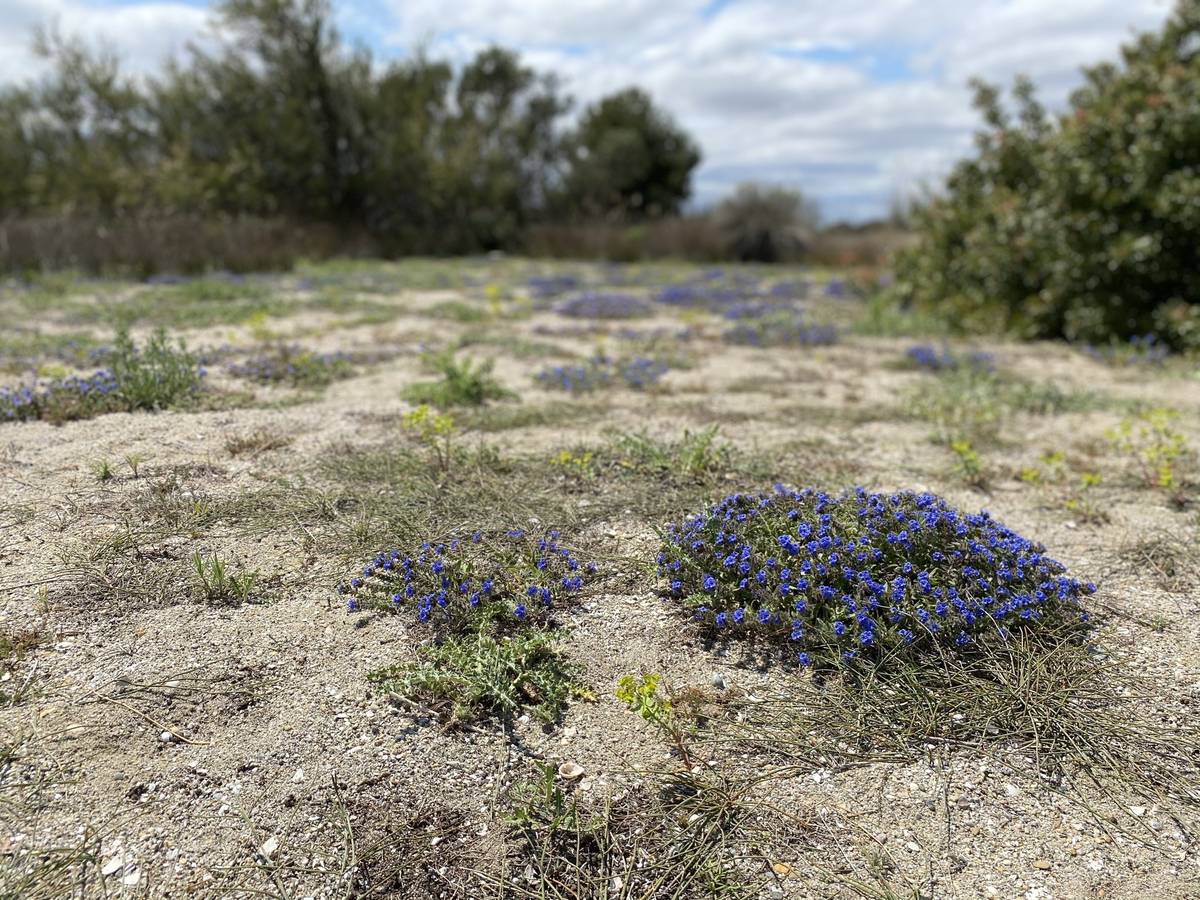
(863, 574)
(513, 573)
(543, 287)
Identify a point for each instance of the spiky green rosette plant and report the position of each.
(864, 575)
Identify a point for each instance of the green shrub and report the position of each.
(155, 376)
(1084, 227)
(462, 384)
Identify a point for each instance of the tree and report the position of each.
(1084, 227)
(282, 107)
(500, 149)
(763, 223)
(629, 158)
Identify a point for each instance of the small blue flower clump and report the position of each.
(604, 306)
(639, 373)
(836, 288)
(795, 289)
(293, 365)
(544, 287)
(752, 309)
(863, 574)
(771, 325)
(512, 574)
(930, 359)
(85, 395)
(713, 298)
(1146, 350)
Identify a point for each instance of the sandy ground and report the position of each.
(211, 750)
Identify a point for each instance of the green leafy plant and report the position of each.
(463, 383)
(467, 676)
(154, 376)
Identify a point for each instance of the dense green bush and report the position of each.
(1085, 227)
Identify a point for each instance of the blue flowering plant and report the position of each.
(156, 375)
(61, 399)
(512, 577)
(700, 296)
(764, 324)
(790, 289)
(928, 358)
(638, 372)
(864, 576)
(1140, 350)
(292, 365)
(598, 305)
(544, 287)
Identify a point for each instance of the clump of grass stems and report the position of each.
(1044, 705)
(694, 834)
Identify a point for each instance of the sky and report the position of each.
(855, 102)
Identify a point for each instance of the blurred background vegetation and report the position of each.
(286, 142)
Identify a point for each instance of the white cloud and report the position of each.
(851, 103)
(142, 34)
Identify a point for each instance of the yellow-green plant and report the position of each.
(641, 695)
(968, 464)
(575, 464)
(1079, 498)
(1050, 468)
(433, 430)
(1154, 444)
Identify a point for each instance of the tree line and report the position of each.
(286, 119)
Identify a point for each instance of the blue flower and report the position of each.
(905, 559)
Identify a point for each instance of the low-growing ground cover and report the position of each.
(583, 646)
